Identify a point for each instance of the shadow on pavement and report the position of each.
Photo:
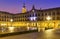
(17, 33)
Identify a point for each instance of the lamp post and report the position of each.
(48, 18)
(11, 20)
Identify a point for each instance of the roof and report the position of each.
(57, 8)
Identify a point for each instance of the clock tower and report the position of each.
(24, 8)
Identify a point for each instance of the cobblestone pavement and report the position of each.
(47, 34)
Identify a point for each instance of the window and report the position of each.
(42, 14)
(58, 13)
(53, 18)
(45, 14)
(58, 18)
(38, 14)
(49, 13)
(53, 13)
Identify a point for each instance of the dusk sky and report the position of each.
(15, 6)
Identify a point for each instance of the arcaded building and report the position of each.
(42, 18)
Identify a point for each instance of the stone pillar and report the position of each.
(38, 29)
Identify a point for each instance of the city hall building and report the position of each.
(43, 18)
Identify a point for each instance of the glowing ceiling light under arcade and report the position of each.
(33, 18)
(11, 29)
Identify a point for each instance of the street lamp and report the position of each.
(48, 18)
(11, 21)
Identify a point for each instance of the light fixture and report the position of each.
(11, 20)
(48, 18)
(33, 18)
